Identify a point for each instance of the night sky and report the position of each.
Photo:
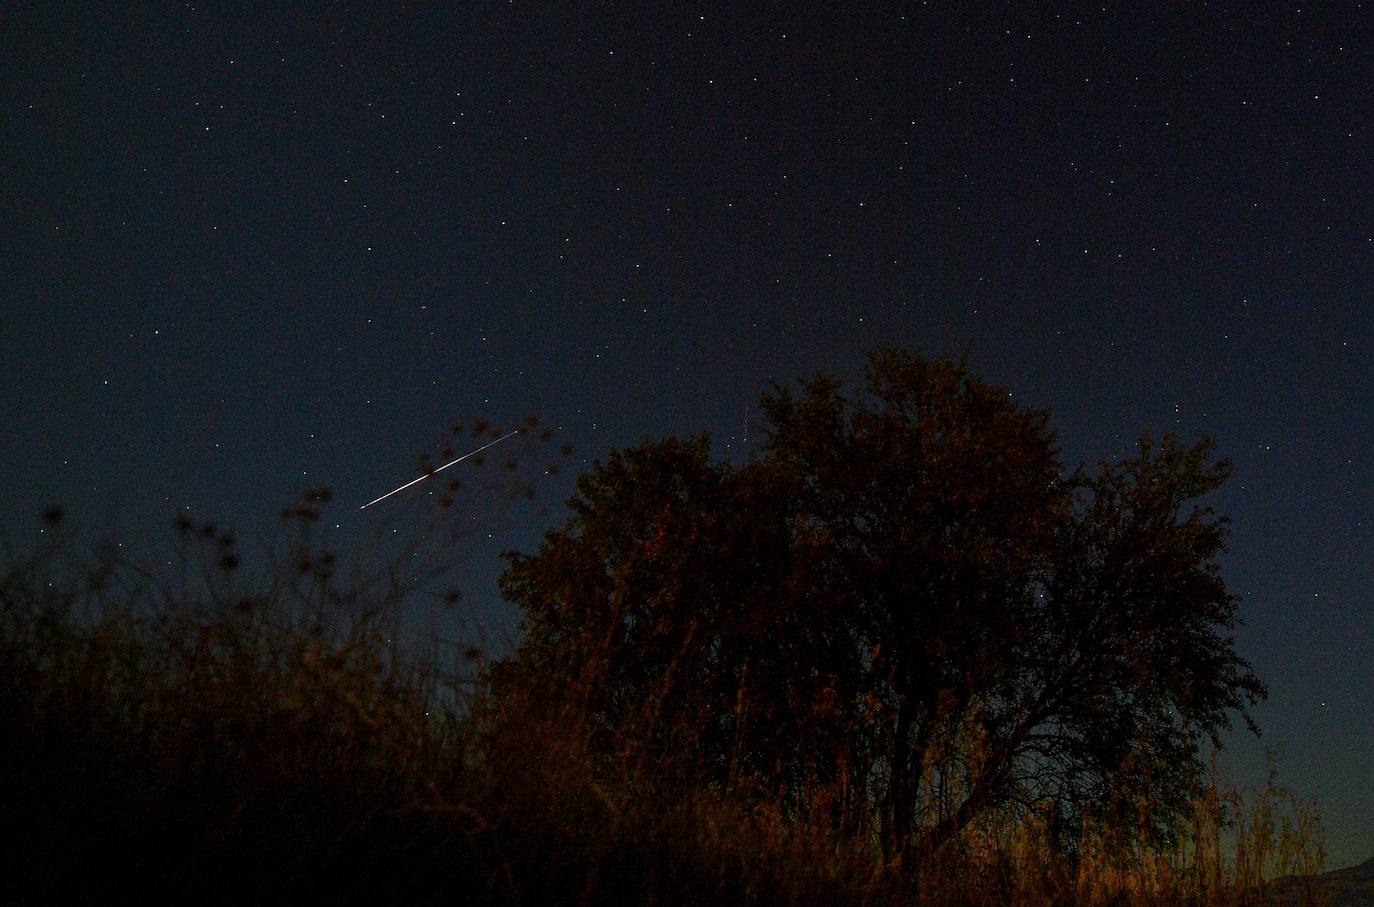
(247, 250)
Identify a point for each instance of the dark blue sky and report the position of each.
(247, 249)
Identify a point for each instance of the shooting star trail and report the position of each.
(440, 469)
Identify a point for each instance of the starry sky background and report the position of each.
(251, 248)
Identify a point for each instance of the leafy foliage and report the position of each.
(904, 614)
(662, 600)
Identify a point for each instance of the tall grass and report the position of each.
(213, 731)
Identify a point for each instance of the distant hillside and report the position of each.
(1349, 887)
(1363, 872)
(1352, 886)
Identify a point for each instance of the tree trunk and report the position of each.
(908, 766)
(901, 796)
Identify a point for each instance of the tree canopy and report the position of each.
(903, 611)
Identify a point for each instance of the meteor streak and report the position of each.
(440, 469)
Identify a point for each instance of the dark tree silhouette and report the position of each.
(666, 613)
(904, 611)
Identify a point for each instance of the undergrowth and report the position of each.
(216, 731)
